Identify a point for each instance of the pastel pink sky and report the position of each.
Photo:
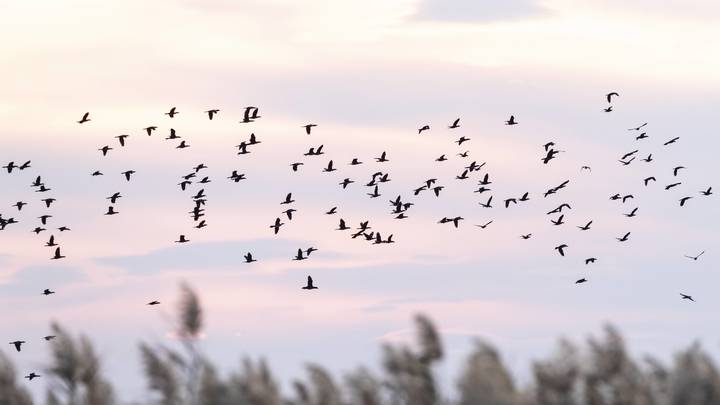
(369, 74)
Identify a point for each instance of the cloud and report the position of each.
(477, 11)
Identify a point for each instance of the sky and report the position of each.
(369, 74)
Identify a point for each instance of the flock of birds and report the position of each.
(364, 231)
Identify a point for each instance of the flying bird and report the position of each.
(455, 124)
(32, 376)
(308, 128)
(610, 95)
(695, 257)
(687, 297)
(511, 121)
(211, 113)
(561, 249)
(173, 111)
(309, 285)
(85, 118)
(423, 128)
(18, 344)
(671, 141)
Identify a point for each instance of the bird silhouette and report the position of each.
(580, 281)
(32, 376)
(308, 128)
(149, 130)
(486, 225)
(676, 169)
(561, 249)
(382, 158)
(299, 255)
(511, 121)
(309, 285)
(85, 118)
(121, 139)
(624, 238)
(610, 95)
(48, 292)
(671, 141)
(57, 255)
(608, 109)
(153, 303)
(296, 165)
(684, 200)
(637, 128)
(648, 179)
(695, 257)
(276, 226)
(211, 113)
(423, 128)
(455, 124)
(105, 149)
(687, 297)
(332, 211)
(590, 260)
(18, 344)
(249, 258)
(707, 192)
(127, 174)
(172, 113)
(288, 199)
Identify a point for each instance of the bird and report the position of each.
(289, 213)
(57, 255)
(96, 173)
(382, 158)
(631, 213)
(38, 230)
(462, 140)
(586, 168)
(346, 182)
(32, 376)
(173, 135)
(150, 129)
(121, 139)
(608, 109)
(669, 186)
(201, 224)
(527, 236)
(626, 163)
(18, 344)
(637, 128)
(173, 111)
(249, 258)
(487, 204)
(49, 337)
(641, 136)
(355, 162)
(687, 297)
(211, 113)
(113, 198)
(455, 124)
(48, 292)
(610, 95)
(182, 145)
(153, 303)
(627, 155)
(627, 197)
(329, 167)
(19, 205)
(510, 200)
(558, 221)
(706, 192)
(648, 179)
(182, 239)
(296, 165)
(85, 118)
(648, 159)
(308, 128)
(105, 149)
(51, 241)
(695, 257)
(463, 176)
(511, 121)
(580, 281)
(684, 200)
(442, 158)
(590, 260)
(288, 199)
(671, 141)
(375, 193)
(342, 226)
(48, 201)
(423, 128)
(561, 249)
(250, 114)
(111, 211)
(676, 169)
(276, 226)
(624, 238)
(309, 285)
(299, 255)
(25, 165)
(127, 174)
(332, 211)
(484, 226)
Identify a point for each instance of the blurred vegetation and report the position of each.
(600, 373)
